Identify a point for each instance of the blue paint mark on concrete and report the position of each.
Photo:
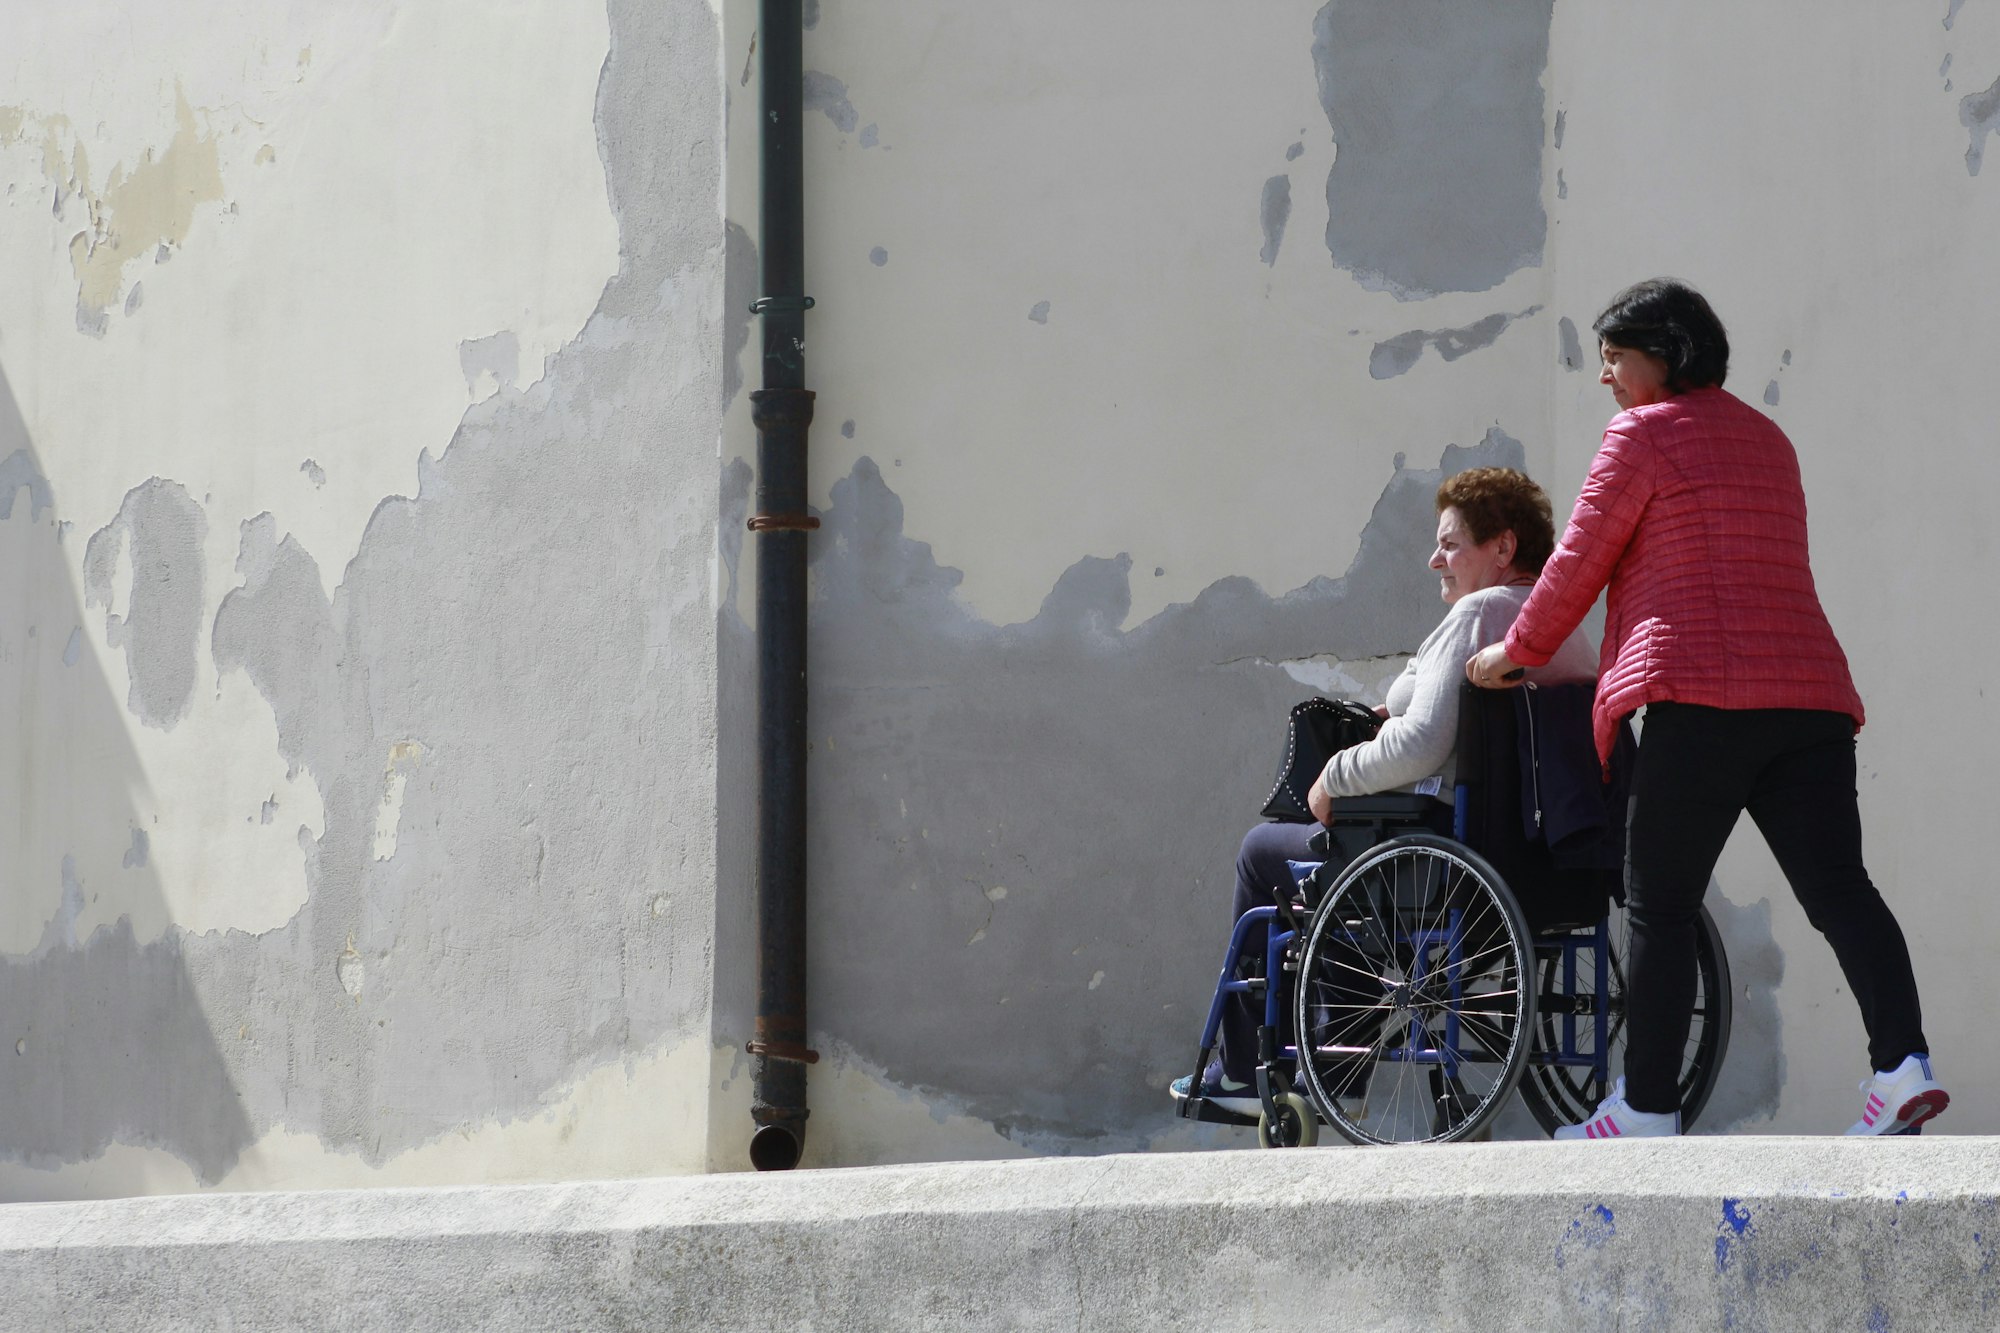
(1591, 1232)
(1734, 1227)
(1878, 1320)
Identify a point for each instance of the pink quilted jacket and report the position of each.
(1694, 515)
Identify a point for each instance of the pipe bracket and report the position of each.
(783, 523)
(781, 305)
(784, 1050)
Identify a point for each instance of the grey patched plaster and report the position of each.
(498, 355)
(1392, 356)
(1754, 1070)
(538, 619)
(1273, 212)
(161, 528)
(824, 93)
(739, 289)
(1572, 346)
(1980, 114)
(1025, 833)
(1437, 110)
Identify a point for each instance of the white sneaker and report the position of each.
(1900, 1099)
(1613, 1119)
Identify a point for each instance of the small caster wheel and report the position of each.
(1295, 1126)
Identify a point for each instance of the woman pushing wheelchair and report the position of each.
(1694, 516)
(1495, 529)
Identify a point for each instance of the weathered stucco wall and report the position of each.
(363, 379)
(1143, 332)
(380, 650)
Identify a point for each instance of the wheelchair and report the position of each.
(1410, 988)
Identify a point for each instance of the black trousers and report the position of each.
(1793, 770)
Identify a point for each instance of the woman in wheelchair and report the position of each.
(1495, 530)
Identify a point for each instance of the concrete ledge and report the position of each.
(1744, 1233)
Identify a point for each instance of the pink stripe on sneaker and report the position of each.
(1612, 1125)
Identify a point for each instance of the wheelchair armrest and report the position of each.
(1383, 805)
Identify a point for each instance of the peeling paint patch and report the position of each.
(823, 93)
(1437, 109)
(1951, 15)
(1393, 356)
(73, 650)
(1562, 123)
(809, 14)
(847, 429)
(1771, 394)
(1296, 151)
(878, 256)
(162, 529)
(1274, 211)
(140, 208)
(136, 854)
(18, 473)
(314, 473)
(490, 364)
(871, 135)
(405, 757)
(1039, 312)
(1572, 346)
(1980, 114)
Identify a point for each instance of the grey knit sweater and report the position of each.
(1417, 739)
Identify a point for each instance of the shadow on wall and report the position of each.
(105, 1037)
(1022, 837)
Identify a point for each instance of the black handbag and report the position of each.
(1316, 729)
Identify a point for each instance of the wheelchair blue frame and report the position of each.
(1280, 933)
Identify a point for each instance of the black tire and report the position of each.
(1559, 1095)
(1412, 1018)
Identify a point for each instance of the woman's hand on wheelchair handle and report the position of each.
(1491, 669)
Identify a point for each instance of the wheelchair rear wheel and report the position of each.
(1414, 1009)
(1561, 1094)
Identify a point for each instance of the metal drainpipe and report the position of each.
(783, 411)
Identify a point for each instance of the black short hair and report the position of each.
(1671, 320)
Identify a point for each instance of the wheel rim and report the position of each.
(1411, 1015)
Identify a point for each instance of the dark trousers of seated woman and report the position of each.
(1793, 770)
(1262, 873)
